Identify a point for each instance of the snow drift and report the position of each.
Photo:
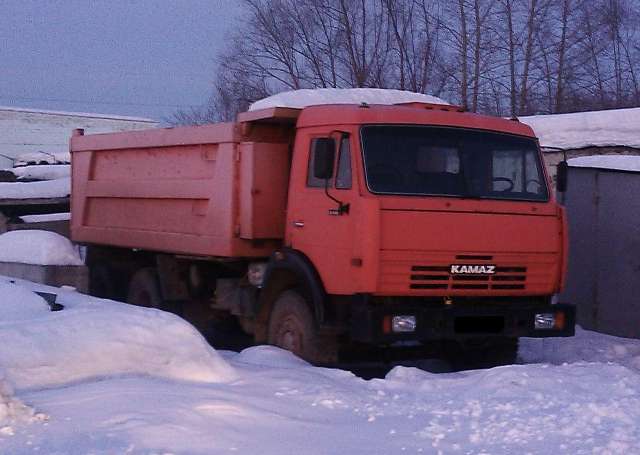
(93, 338)
(37, 247)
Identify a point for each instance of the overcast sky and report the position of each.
(129, 57)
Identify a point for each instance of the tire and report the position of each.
(144, 289)
(292, 326)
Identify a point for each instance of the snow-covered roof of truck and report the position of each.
(628, 163)
(610, 128)
(299, 99)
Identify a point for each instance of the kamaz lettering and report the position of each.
(457, 269)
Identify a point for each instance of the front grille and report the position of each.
(438, 277)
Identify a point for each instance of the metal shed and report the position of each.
(603, 209)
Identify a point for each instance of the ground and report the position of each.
(101, 377)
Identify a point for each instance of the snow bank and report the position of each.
(34, 190)
(618, 127)
(585, 346)
(312, 97)
(614, 162)
(42, 172)
(94, 339)
(579, 408)
(37, 247)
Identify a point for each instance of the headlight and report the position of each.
(549, 321)
(403, 323)
(544, 321)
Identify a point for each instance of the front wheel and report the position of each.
(292, 326)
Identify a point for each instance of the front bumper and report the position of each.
(458, 321)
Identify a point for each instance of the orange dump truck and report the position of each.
(332, 226)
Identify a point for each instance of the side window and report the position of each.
(312, 181)
(343, 174)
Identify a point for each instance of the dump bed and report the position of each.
(202, 190)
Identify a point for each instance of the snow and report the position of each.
(35, 158)
(612, 162)
(311, 97)
(34, 190)
(28, 305)
(37, 247)
(270, 356)
(93, 339)
(609, 128)
(42, 172)
(90, 340)
(109, 378)
(13, 411)
(586, 346)
(46, 217)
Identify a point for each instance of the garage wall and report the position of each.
(603, 209)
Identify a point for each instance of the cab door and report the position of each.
(315, 224)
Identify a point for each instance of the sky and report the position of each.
(144, 58)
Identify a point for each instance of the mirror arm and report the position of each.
(343, 209)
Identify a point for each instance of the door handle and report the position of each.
(298, 224)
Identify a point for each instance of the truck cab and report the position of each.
(431, 223)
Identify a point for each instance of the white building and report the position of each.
(607, 132)
(29, 131)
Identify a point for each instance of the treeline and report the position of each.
(504, 57)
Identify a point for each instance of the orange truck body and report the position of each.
(238, 191)
(181, 190)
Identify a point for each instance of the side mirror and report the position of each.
(561, 176)
(324, 153)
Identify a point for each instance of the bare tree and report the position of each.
(497, 56)
(464, 53)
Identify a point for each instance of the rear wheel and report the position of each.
(144, 289)
(292, 326)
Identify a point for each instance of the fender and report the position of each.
(287, 269)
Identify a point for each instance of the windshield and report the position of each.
(425, 160)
